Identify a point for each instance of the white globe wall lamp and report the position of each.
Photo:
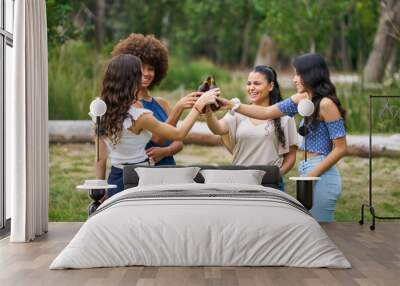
(98, 108)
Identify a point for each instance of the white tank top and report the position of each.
(131, 147)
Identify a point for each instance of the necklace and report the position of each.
(269, 127)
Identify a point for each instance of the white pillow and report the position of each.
(248, 177)
(166, 176)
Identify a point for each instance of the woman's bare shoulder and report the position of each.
(137, 104)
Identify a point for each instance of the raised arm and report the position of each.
(218, 127)
(260, 112)
(164, 130)
(174, 115)
(268, 112)
(185, 102)
(165, 106)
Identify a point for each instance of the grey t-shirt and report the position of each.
(258, 144)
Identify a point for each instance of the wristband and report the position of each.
(236, 104)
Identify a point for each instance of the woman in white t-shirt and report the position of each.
(259, 142)
(127, 126)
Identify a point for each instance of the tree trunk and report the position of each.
(100, 21)
(165, 28)
(386, 39)
(312, 46)
(246, 43)
(266, 53)
(391, 66)
(343, 45)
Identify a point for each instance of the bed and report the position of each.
(198, 224)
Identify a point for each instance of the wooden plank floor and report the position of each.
(374, 255)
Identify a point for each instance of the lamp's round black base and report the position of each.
(93, 207)
(304, 193)
(96, 195)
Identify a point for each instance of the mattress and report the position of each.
(201, 225)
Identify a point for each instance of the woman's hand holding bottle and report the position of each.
(225, 104)
(188, 100)
(207, 98)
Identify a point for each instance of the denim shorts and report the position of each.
(326, 191)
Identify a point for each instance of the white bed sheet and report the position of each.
(205, 231)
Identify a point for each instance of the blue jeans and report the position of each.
(115, 178)
(326, 191)
(281, 185)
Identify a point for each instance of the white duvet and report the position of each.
(184, 230)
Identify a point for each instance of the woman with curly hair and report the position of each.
(127, 126)
(259, 142)
(154, 57)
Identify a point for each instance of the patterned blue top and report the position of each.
(320, 134)
(161, 115)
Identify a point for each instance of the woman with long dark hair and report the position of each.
(259, 142)
(127, 126)
(154, 57)
(326, 136)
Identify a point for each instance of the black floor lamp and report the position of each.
(98, 108)
(304, 185)
(96, 188)
(370, 205)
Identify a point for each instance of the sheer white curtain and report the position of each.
(27, 128)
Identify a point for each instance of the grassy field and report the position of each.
(70, 165)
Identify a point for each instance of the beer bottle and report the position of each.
(205, 86)
(213, 84)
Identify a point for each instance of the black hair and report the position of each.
(274, 97)
(314, 73)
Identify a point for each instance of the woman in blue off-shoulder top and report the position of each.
(326, 136)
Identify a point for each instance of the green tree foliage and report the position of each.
(301, 25)
(228, 31)
(341, 30)
(216, 29)
(60, 27)
(213, 29)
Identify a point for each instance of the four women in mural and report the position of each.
(140, 129)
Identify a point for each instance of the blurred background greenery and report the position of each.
(225, 38)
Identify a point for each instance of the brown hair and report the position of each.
(120, 87)
(150, 51)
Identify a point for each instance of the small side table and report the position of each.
(305, 190)
(96, 193)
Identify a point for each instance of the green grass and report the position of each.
(71, 164)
